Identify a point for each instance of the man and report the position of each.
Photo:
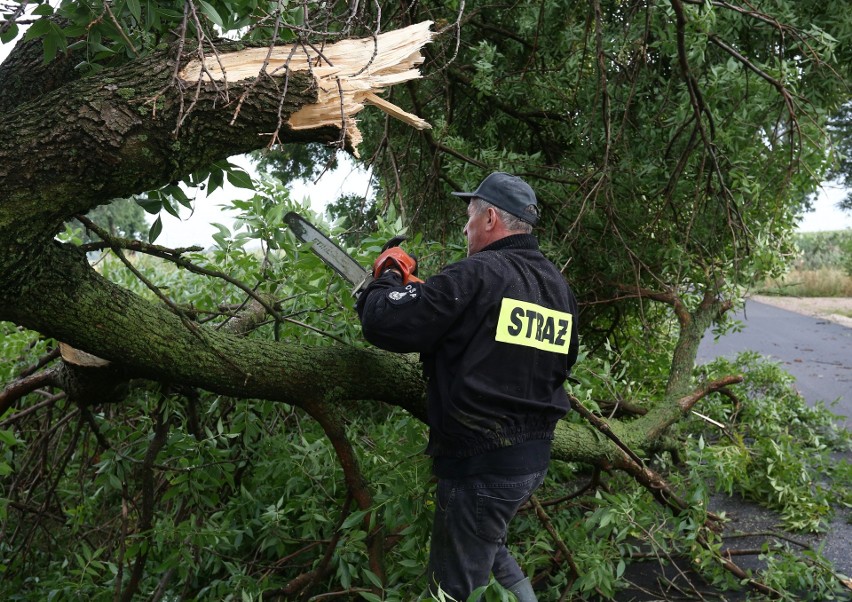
(497, 334)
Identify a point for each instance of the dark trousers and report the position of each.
(472, 517)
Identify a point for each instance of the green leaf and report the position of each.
(50, 48)
(43, 10)
(178, 194)
(9, 35)
(152, 206)
(39, 28)
(7, 437)
(135, 9)
(211, 13)
(156, 229)
(170, 208)
(374, 579)
(241, 179)
(152, 15)
(216, 179)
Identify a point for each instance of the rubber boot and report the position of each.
(523, 591)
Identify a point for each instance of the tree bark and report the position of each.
(152, 122)
(83, 142)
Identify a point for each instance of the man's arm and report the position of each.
(413, 317)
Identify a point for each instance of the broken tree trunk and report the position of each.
(159, 118)
(347, 75)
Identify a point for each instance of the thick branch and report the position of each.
(114, 134)
(67, 300)
(582, 443)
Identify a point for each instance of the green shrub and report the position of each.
(847, 256)
(822, 268)
(823, 249)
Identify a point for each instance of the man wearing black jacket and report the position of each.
(497, 334)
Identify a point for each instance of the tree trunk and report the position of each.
(83, 142)
(154, 121)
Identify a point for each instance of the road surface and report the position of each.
(817, 352)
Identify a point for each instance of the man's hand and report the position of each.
(394, 258)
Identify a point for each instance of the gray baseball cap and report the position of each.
(509, 193)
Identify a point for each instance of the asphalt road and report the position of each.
(818, 353)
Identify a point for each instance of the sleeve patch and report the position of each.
(398, 296)
(531, 325)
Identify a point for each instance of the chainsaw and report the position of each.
(341, 262)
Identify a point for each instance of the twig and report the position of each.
(146, 512)
(174, 255)
(557, 539)
(603, 426)
(120, 29)
(32, 409)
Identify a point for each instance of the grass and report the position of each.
(822, 282)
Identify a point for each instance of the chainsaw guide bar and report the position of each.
(330, 253)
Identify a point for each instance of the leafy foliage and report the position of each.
(778, 449)
(823, 250)
(630, 124)
(840, 127)
(671, 145)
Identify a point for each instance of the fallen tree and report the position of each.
(73, 143)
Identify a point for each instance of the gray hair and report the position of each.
(512, 222)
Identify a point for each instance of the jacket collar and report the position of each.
(515, 241)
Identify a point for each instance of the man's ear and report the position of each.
(491, 223)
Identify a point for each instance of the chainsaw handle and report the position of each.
(393, 242)
(395, 258)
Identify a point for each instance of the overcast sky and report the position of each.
(826, 215)
(195, 229)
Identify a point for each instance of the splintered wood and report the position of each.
(348, 74)
(76, 357)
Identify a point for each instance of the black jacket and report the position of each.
(493, 382)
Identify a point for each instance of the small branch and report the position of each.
(175, 256)
(594, 483)
(669, 297)
(42, 362)
(15, 17)
(685, 403)
(146, 512)
(700, 110)
(557, 539)
(24, 386)
(90, 420)
(781, 88)
(333, 425)
(603, 426)
(120, 30)
(32, 409)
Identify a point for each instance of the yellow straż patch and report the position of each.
(531, 325)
